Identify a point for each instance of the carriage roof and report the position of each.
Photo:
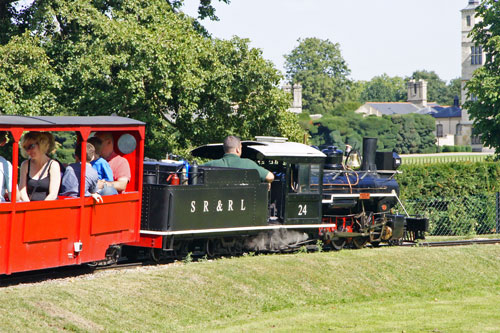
(66, 121)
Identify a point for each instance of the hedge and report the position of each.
(452, 179)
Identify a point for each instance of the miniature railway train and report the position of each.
(210, 210)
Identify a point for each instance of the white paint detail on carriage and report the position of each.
(222, 230)
(205, 206)
(230, 205)
(219, 206)
(243, 204)
(193, 206)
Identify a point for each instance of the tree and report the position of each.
(318, 65)
(142, 60)
(384, 88)
(408, 133)
(28, 82)
(483, 90)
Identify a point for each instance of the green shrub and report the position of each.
(449, 179)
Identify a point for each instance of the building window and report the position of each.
(475, 138)
(476, 55)
(439, 130)
(459, 129)
(468, 20)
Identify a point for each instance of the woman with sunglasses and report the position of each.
(40, 175)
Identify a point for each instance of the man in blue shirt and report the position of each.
(232, 159)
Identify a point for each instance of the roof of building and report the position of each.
(389, 108)
(433, 109)
(445, 112)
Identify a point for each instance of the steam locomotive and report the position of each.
(314, 197)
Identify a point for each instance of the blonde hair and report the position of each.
(45, 141)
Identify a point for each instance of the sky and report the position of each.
(395, 37)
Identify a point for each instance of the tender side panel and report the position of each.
(175, 208)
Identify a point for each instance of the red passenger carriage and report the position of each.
(70, 231)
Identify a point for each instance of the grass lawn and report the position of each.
(386, 289)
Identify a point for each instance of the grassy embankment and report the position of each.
(384, 290)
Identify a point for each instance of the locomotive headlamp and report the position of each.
(396, 161)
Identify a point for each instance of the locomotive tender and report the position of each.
(211, 210)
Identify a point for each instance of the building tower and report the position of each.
(417, 93)
(472, 58)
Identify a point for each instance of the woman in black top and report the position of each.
(40, 175)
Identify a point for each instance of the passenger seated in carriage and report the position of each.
(70, 185)
(5, 173)
(98, 163)
(119, 165)
(40, 175)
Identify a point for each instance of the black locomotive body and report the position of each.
(217, 210)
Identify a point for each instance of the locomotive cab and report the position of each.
(296, 192)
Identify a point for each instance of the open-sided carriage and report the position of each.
(42, 234)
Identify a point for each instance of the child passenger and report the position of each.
(100, 164)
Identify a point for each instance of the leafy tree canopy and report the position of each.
(384, 88)
(318, 65)
(484, 108)
(142, 60)
(409, 133)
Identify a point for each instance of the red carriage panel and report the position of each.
(54, 224)
(44, 234)
(114, 215)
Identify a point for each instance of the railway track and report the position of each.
(455, 242)
(76, 271)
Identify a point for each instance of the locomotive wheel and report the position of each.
(210, 247)
(155, 255)
(359, 242)
(338, 243)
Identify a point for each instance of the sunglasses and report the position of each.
(31, 146)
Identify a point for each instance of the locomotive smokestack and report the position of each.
(369, 152)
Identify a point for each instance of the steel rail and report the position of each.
(455, 242)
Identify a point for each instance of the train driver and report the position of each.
(119, 165)
(232, 159)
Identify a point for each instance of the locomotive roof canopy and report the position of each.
(47, 121)
(285, 151)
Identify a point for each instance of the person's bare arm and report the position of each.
(55, 181)
(269, 177)
(23, 192)
(120, 184)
